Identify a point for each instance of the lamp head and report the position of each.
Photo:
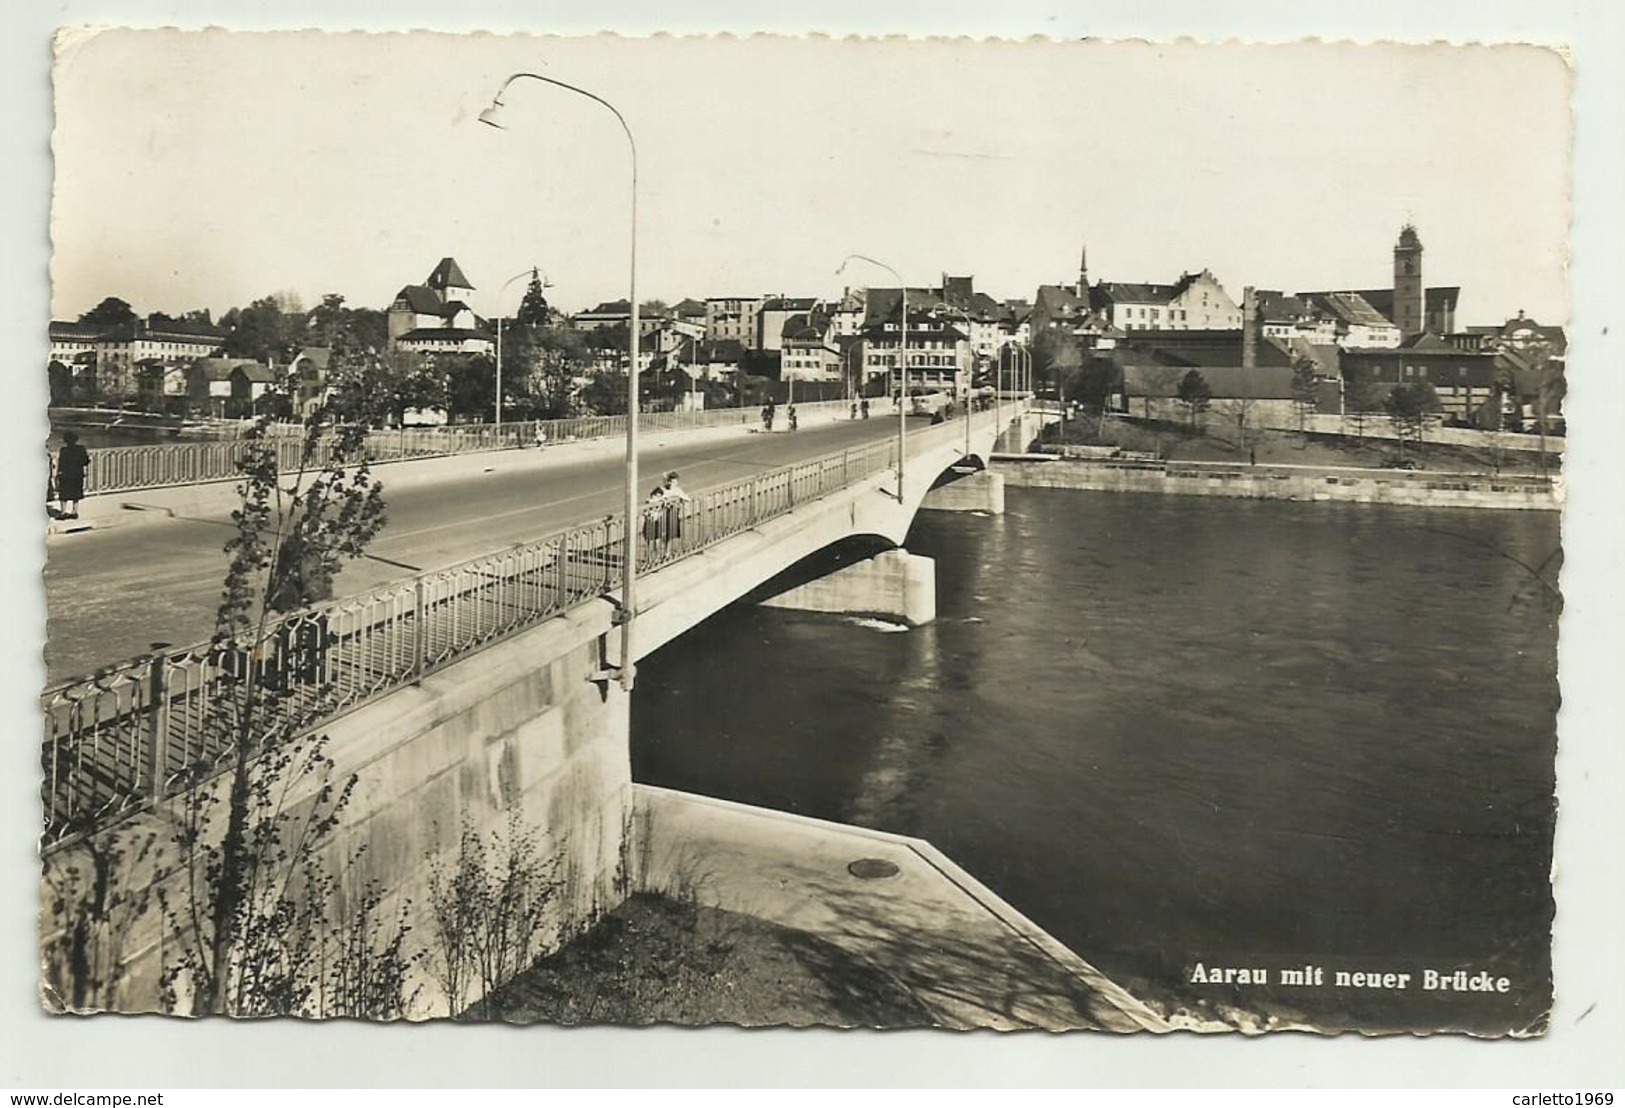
(490, 115)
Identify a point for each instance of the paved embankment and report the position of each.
(1363, 486)
(893, 902)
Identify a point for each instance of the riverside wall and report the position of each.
(521, 737)
(1361, 486)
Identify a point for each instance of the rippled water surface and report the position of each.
(1175, 730)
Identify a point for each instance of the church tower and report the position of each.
(1082, 290)
(1408, 315)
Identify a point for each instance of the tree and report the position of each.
(471, 385)
(406, 382)
(1195, 394)
(59, 379)
(533, 307)
(1241, 410)
(245, 880)
(540, 370)
(605, 393)
(291, 527)
(1409, 406)
(1305, 390)
(263, 331)
(1360, 401)
(1092, 383)
(651, 309)
(111, 312)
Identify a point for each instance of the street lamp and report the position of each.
(532, 271)
(629, 546)
(902, 363)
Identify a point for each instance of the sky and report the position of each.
(210, 168)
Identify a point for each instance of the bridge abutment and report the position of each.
(894, 584)
(982, 491)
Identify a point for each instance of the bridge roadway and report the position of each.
(111, 594)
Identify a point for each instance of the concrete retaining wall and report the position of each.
(1276, 483)
(518, 731)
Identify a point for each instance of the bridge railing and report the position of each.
(127, 468)
(147, 728)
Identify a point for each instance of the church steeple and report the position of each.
(1083, 273)
(1408, 298)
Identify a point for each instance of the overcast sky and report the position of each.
(205, 169)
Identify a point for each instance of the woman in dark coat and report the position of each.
(72, 461)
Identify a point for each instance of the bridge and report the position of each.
(484, 692)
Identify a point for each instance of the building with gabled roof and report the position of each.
(434, 317)
(1195, 302)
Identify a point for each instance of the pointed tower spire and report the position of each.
(1083, 273)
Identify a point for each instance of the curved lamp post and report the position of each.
(629, 558)
(500, 293)
(902, 363)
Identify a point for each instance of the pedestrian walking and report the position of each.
(767, 417)
(72, 462)
(672, 498)
(863, 407)
(790, 416)
(854, 409)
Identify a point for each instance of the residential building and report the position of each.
(68, 340)
(1359, 326)
(120, 350)
(808, 351)
(773, 314)
(732, 318)
(227, 388)
(1293, 317)
(1195, 302)
(939, 356)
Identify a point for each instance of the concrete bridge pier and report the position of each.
(894, 584)
(981, 491)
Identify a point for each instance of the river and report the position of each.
(1178, 731)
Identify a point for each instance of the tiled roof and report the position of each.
(422, 300)
(1123, 292)
(617, 308)
(442, 333)
(448, 275)
(1427, 343)
(1193, 348)
(1275, 307)
(1349, 307)
(218, 369)
(1227, 382)
(881, 303)
(64, 331)
(721, 350)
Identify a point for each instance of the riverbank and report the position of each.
(1279, 482)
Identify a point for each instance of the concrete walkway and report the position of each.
(970, 959)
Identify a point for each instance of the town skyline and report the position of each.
(714, 214)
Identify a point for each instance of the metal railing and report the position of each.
(128, 468)
(145, 729)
